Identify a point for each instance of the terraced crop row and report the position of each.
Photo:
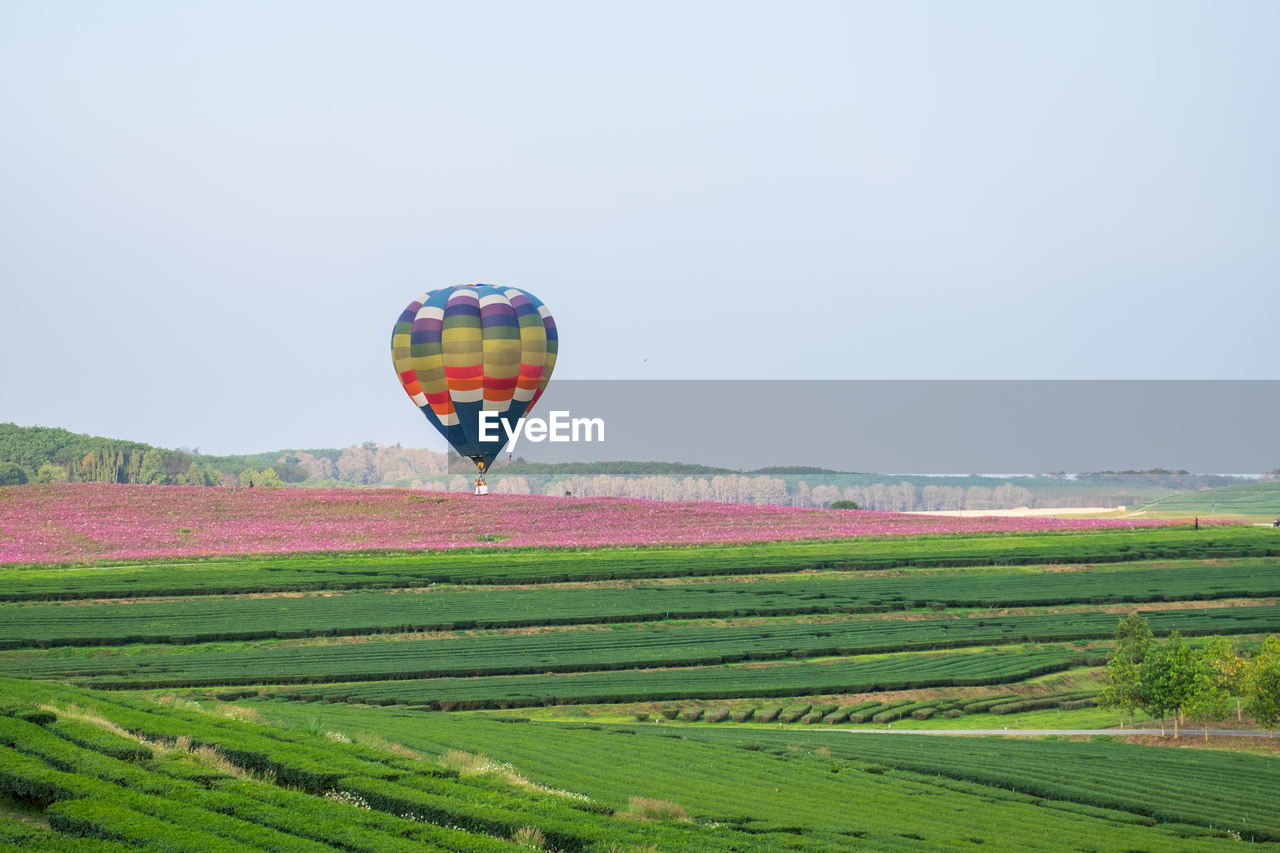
(217, 618)
(1223, 789)
(767, 796)
(485, 566)
(898, 672)
(610, 648)
(801, 779)
(387, 802)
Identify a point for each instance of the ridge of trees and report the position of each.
(1174, 679)
(45, 454)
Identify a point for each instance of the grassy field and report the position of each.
(675, 698)
(1253, 500)
(99, 771)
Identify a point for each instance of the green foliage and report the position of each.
(152, 471)
(1124, 687)
(793, 713)
(1264, 684)
(842, 504)
(1133, 637)
(906, 672)
(51, 473)
(31, 447)
(11, 474)
(197, 476)
(1165, 678)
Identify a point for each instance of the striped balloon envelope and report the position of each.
(470, 348)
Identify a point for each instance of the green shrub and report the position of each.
(980, 706)
(104, 819)
(1074, 704)
(897, 709)
(742, 715)
(716, 715)
(30, 780)
(767, 715)
(793, 713)
(39, 718)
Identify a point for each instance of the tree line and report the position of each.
(1175, 679)
(42, 454)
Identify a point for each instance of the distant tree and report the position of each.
(512, 486)
(842, 504)
(1263, 684)
(1009, 496)
(1209, 692)
(1168, 678)
(249, 477)
(269, 479)
(978, 497)
(152, 471)
(822, 495)
(317, 467)
(1228, 670)
(50, 473)
(356, 464)
(1123, 688)
(291, 472)
(1133, 634)
(11, 474)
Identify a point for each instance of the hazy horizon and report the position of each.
(214, 212)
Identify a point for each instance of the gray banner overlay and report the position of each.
(924, 426)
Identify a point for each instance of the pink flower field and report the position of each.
(86, 522)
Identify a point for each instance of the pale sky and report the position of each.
(211, 213)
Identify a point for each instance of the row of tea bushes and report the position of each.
(880, 712)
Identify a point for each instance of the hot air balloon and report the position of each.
(475, 347)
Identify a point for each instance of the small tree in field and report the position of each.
(1209, 691)
(1264, 684)
(1123, 689)
(1228, 670)
(1168, 679)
